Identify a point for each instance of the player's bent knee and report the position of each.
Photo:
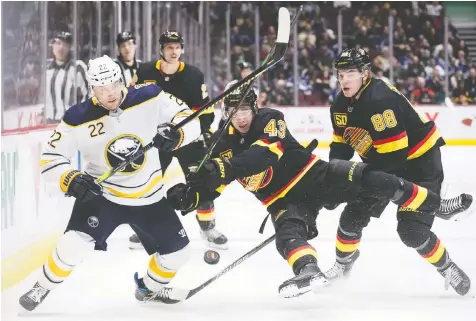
(73, 246)
(349, 223)
(413, 233)
(289, 231)
(175, 260)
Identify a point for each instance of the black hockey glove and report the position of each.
(214, 173)
(331, 207)
(80, 185)
(186, 199)
(167, 138)
(207, 137)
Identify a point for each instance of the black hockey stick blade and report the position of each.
(183, 294)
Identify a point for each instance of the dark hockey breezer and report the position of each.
(262, 155)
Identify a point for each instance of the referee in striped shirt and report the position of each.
(66, 82)
(126, 43)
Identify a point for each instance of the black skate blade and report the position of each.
(292, 291)
(315, 285)
(22, 312)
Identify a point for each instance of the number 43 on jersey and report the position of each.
(275, 128)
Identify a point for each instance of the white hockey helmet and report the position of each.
(103, 71)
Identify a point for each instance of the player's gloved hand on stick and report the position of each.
(208, 136)
(80, 185)
(167, 138)
(214, 173)
(186, 199)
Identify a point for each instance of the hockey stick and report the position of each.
(280, 46)
(282, 40)
(183, 294)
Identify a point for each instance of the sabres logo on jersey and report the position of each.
(120, 148)
(257, 181)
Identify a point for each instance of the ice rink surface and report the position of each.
(389, 281)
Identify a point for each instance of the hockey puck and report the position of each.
(211, 257)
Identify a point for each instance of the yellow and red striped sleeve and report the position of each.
(276, 147)
(392, 143)
(425, 144)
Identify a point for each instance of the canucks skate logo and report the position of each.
(257, 181)
(120, 148)
(359, 139)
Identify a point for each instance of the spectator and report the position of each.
(382, 61)
(470, 86)
(416, 68)
(422, 95)
(461, 63)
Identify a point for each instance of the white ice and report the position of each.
(389, 282)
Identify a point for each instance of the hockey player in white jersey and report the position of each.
(107, 128)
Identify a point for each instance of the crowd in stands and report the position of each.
(418, 48)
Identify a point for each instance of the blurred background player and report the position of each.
(245, 69)
(187, 83)
(126, 44)
(66, 82)
(107, 128)
(373, 118)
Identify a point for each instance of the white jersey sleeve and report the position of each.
(173, 110)
(57, 152)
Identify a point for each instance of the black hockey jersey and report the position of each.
(127, 72)
(381, 126)
(268, 159)
(187, 84)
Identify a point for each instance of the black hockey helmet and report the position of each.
(244, 65)
(63, 36)
(124, 36)
(352, 58)
(234, 98)
(171, 37)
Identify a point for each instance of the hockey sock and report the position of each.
(206, 216)
(434, 252)
(299, 254)
(70, 251)
(401, 191)
(162, 268)
(346, 244)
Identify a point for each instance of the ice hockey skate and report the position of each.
(30, 300)
(342, 267)
(451, 208)
(310, 278)
(135, 243)
(143, 294)
(456, 278)
(211, 236)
